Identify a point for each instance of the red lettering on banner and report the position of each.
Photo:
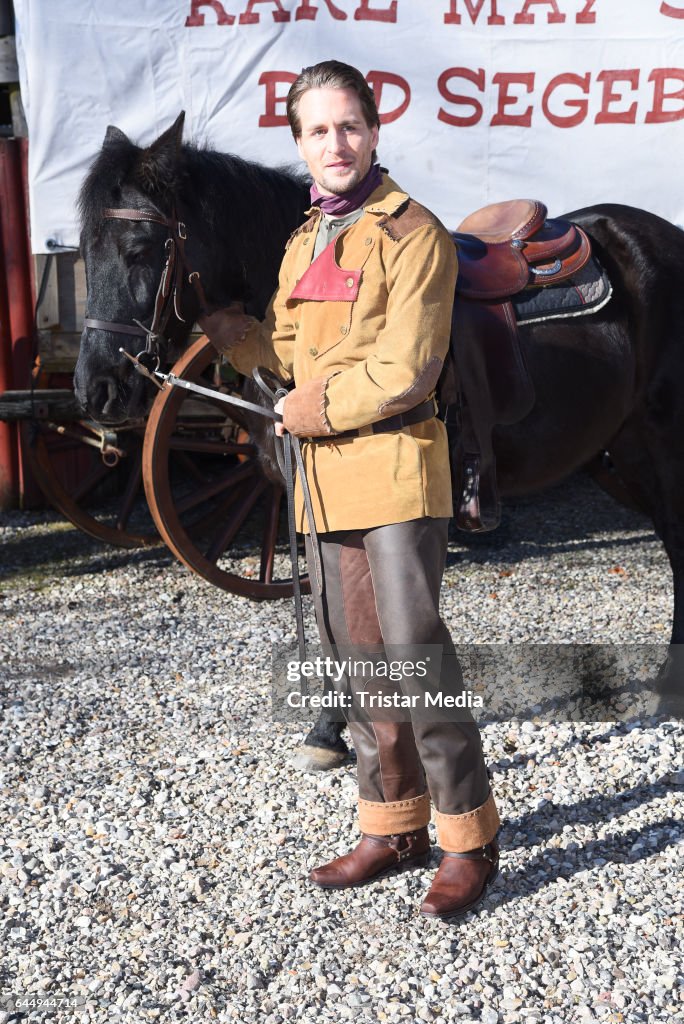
(272, 79)
(478, 79)
(378, 79)
(553, 17)
(308, 11)
(250, 17)
(587, 16)
(658, 114)
(568, 92)
(609, 78)
(671, 12)
(504, 79)
(452, 17)
(567, 120)
(305, 12)
(367, 13)
(196, 20)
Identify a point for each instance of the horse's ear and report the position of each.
(114, 135)
(173, 136)
(156, 170)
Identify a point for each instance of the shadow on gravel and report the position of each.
(519, 759)
(514, 549)
(540, 870)
(560, 519)
(540, 825)
(68, 552)
(668, 724)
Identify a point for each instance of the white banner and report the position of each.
(571, 101)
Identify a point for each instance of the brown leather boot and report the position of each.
(461, 882)
(374, 857)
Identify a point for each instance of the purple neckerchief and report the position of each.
(348, 201)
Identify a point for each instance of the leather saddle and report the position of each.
(503, 249)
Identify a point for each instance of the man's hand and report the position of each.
(226, 327)
(303, 410)
(279, 408)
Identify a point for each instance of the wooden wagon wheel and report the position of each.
(94, 479)
(213, 505)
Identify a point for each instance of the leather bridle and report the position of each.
(147, 362)
(168, 299)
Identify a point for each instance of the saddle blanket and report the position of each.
(585, 292)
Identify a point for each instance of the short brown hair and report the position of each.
(331, 74)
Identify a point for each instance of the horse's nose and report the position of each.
(107, 396)
(102, 399)
(101, 381)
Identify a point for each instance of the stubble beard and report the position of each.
(339, 188)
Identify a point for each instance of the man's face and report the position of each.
(336, 142)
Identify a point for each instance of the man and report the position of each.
(361, 322)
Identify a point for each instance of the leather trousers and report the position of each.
(382, 587)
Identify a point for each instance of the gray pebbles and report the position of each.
(155, 839)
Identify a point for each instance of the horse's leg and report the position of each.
(323, 747)
(651, 464)
(671, 529)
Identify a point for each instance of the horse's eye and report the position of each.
(136, 257)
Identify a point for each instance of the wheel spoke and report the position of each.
(216, 515)
(131, 491)
(70, 472)
(205, 484)
(189, 444)
(270, 536)
(228, 533)
(235, 411)
(214, 487)
(91, 482)
(189, 467)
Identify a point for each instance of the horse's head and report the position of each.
(124, 261)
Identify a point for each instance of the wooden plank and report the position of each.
(58, 404)
(58, 350)
(9, 69)
(19, 125)
(48, 313)
(72, 291)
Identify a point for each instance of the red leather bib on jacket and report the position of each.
(325, 281)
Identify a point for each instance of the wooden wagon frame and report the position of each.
(191, 457)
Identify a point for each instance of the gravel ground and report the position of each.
(154, 839)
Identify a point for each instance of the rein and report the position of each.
(169, 290)
(147, 363)
(288, 450)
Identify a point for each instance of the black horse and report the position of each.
(611, 381)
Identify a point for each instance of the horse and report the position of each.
(612, 381)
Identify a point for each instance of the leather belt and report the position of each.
(290, 460)
(425, 411)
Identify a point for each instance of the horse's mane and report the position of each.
(113, 166)
(233, 205)
(268, 201)
(200, 176)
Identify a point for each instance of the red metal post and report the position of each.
(9, 470)
(17, 274)
(23, 163)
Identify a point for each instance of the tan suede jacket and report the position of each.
(366, 344)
